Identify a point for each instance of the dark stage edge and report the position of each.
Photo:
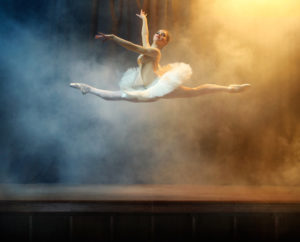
(149, 213)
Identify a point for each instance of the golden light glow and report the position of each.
(258, 8)
(245, 35)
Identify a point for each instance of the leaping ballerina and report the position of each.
(150, 82)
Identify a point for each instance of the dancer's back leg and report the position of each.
(184, 92)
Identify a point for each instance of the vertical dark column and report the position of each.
(94, 18)
(111, 228)
(174, 14)
(116, 11)
(234, 227)
(129, 13)
(276, 226)
(30, 228)
(193, 227)
(153, 14)
(71, 228)
(165, 14)
(116, 14)
(152, 224)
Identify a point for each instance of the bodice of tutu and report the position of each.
(169, 78)
(142, 59)
(147, 69)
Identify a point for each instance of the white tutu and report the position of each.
(132, 83)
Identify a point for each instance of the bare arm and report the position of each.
(145, 31)
(149, 51)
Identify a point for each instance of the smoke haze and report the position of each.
(51, 133)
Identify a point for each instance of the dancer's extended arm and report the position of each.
(149, 51)
(145, 31)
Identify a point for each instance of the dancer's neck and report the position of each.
(154, 45)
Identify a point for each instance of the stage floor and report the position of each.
(200, 193)
(149, 213)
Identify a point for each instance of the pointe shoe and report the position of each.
(238, 87)
(82, 87)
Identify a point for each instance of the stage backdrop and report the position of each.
(50, 133)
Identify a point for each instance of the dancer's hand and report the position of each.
(104, 37)
(142, 14)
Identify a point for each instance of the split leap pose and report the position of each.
(150, 82)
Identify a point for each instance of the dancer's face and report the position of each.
(161, 38)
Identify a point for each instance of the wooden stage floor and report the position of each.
(149, 213)
(256, 194)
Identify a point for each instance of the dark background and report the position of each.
(50, 133)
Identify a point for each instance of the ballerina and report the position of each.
(150, 82)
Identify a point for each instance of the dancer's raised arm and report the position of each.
(145, 31)
(149, 51)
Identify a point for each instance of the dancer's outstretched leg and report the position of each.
(184, 92)
(108, 95)
(105, 94)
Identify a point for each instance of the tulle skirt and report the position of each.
(132, 83)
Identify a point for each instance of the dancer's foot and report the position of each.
(238, 88)
(84, 88)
